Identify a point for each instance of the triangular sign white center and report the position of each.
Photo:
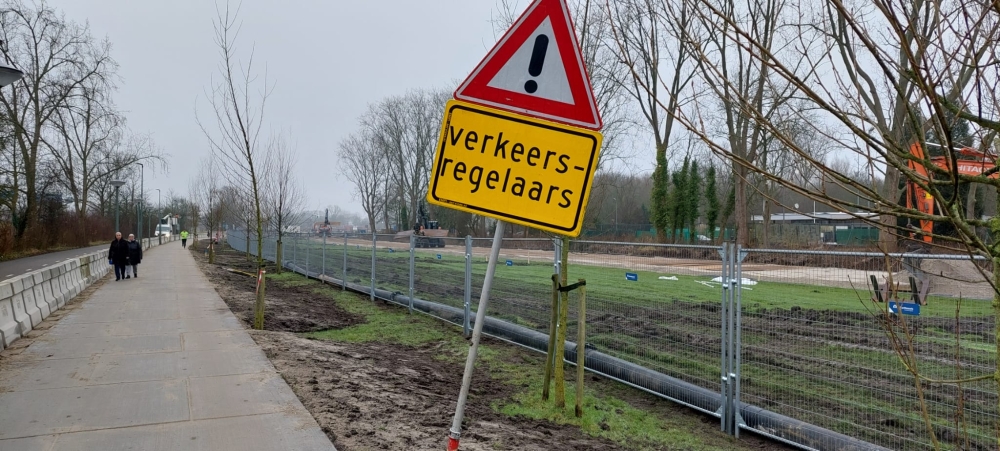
(536, 68)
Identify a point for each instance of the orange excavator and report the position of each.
(970, 162)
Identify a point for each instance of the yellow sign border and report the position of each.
(596, 137)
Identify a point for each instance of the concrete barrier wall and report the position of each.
(26, 300)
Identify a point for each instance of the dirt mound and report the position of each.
(375, 396)
(954, 278)
(288, 309)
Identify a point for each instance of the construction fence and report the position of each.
(823, 350)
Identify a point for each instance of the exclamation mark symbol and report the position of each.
(537, 60)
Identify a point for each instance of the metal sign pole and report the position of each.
(477, 332)
(413, 242)
(343, 286)
(467, 301)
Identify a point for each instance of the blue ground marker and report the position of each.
(439, 256)
(632, 276)
(510, 262)
(908, 308)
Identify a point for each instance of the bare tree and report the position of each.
(365, 167)
(405, 130)
(236, 140)
(285, 196)
(881, 76)
(652, 42)
(207, 193)
(58, 57)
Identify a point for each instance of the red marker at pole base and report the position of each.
(452, 444)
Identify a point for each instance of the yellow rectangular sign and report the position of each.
(514, 168)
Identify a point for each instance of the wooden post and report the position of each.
(557, 361)
(581, 346)
(552, 338)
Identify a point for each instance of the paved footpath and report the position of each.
(157, 363)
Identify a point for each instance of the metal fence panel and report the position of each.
(817, 348)
(522, 285)
(808, 340)
(653, 305)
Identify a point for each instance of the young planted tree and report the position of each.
(209, 195)
(285, 196)
(235, 140)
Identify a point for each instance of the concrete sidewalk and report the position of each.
(157, 363)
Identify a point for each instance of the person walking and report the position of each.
(134, 255)
(118, 256)
(184, 239)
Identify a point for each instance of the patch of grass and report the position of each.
(604, 415)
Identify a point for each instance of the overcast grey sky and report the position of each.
(328, 59)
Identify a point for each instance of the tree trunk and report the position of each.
(30, 218)
(970, 202)
(766, 222)
(995, 235)
(742, 209)
(278, 253)
(890, 191)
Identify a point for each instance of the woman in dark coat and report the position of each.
(134, 255)
(118, 255)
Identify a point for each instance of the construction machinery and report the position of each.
(969, 161)
(427, 231)
(325, 228)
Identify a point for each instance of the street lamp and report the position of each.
(159, 208)
(9, 74)
(117, 184)
(142, 200)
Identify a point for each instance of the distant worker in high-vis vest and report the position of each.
(184, 239)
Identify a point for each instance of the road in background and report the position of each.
(14, 268)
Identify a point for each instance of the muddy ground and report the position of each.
(377, 396)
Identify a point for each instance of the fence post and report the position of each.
(413, 242)
(468, 287)
(738, 346)
(307, 256)
(374, 246)
(724, 342)
(343, 286)
(295, 246)
(324, 254)
(731, 375)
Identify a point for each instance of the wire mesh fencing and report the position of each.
(854, 342)
(861, 344)
(654, 305)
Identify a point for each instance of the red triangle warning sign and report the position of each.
(536, 69)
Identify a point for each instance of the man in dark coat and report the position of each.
(118, 255)
(134, 255)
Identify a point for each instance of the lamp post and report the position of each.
(159, 209)
(117, 184)
(142, 200)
